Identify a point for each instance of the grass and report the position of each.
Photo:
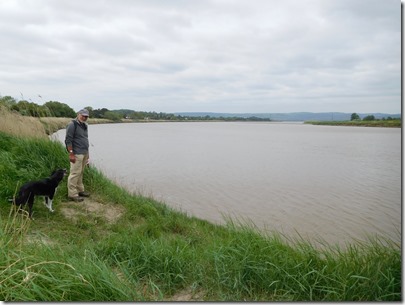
(15, 124)
(18, 125)
(376, 123)
(154, 253)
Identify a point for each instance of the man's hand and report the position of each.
(72, 157)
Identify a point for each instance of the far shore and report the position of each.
(376, 123)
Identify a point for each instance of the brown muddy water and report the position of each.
(331, 183)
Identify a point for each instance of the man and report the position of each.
(77, 144)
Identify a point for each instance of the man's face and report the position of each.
(82, 118)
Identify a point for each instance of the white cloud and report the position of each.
(219, 55)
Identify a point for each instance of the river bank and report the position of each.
(376, 123)
(119, 246)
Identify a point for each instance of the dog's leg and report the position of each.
(30, 204)
(48, 203)
(51, 200)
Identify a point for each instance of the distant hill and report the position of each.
(292, 116)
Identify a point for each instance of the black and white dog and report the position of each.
(45, 187)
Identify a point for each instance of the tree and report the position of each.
(7, 101)
(58, 109)
(31, 109)
(354, 116)
(369, 118)
(113, 116)
(99, 113)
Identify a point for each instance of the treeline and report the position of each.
(159, 116)
(356, 117)
(26, 108)
(228, 119)
(58, 109)
(367, 121)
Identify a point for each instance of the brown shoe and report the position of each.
(76, 199)
(84, 194)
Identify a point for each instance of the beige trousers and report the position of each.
(75, 179)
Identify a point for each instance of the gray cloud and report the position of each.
(218, 55)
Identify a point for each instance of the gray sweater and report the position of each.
(77, 137)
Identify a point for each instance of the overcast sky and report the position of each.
(207, 55)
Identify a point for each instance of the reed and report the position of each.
(16, 124)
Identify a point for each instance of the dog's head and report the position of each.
(59, 173)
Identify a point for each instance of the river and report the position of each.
(330, 183)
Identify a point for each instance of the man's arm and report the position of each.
(70, 132)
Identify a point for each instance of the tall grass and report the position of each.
(24, 159)
(155, 253)
(15, 124)
(32, 272)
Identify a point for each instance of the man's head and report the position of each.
(83, 115)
